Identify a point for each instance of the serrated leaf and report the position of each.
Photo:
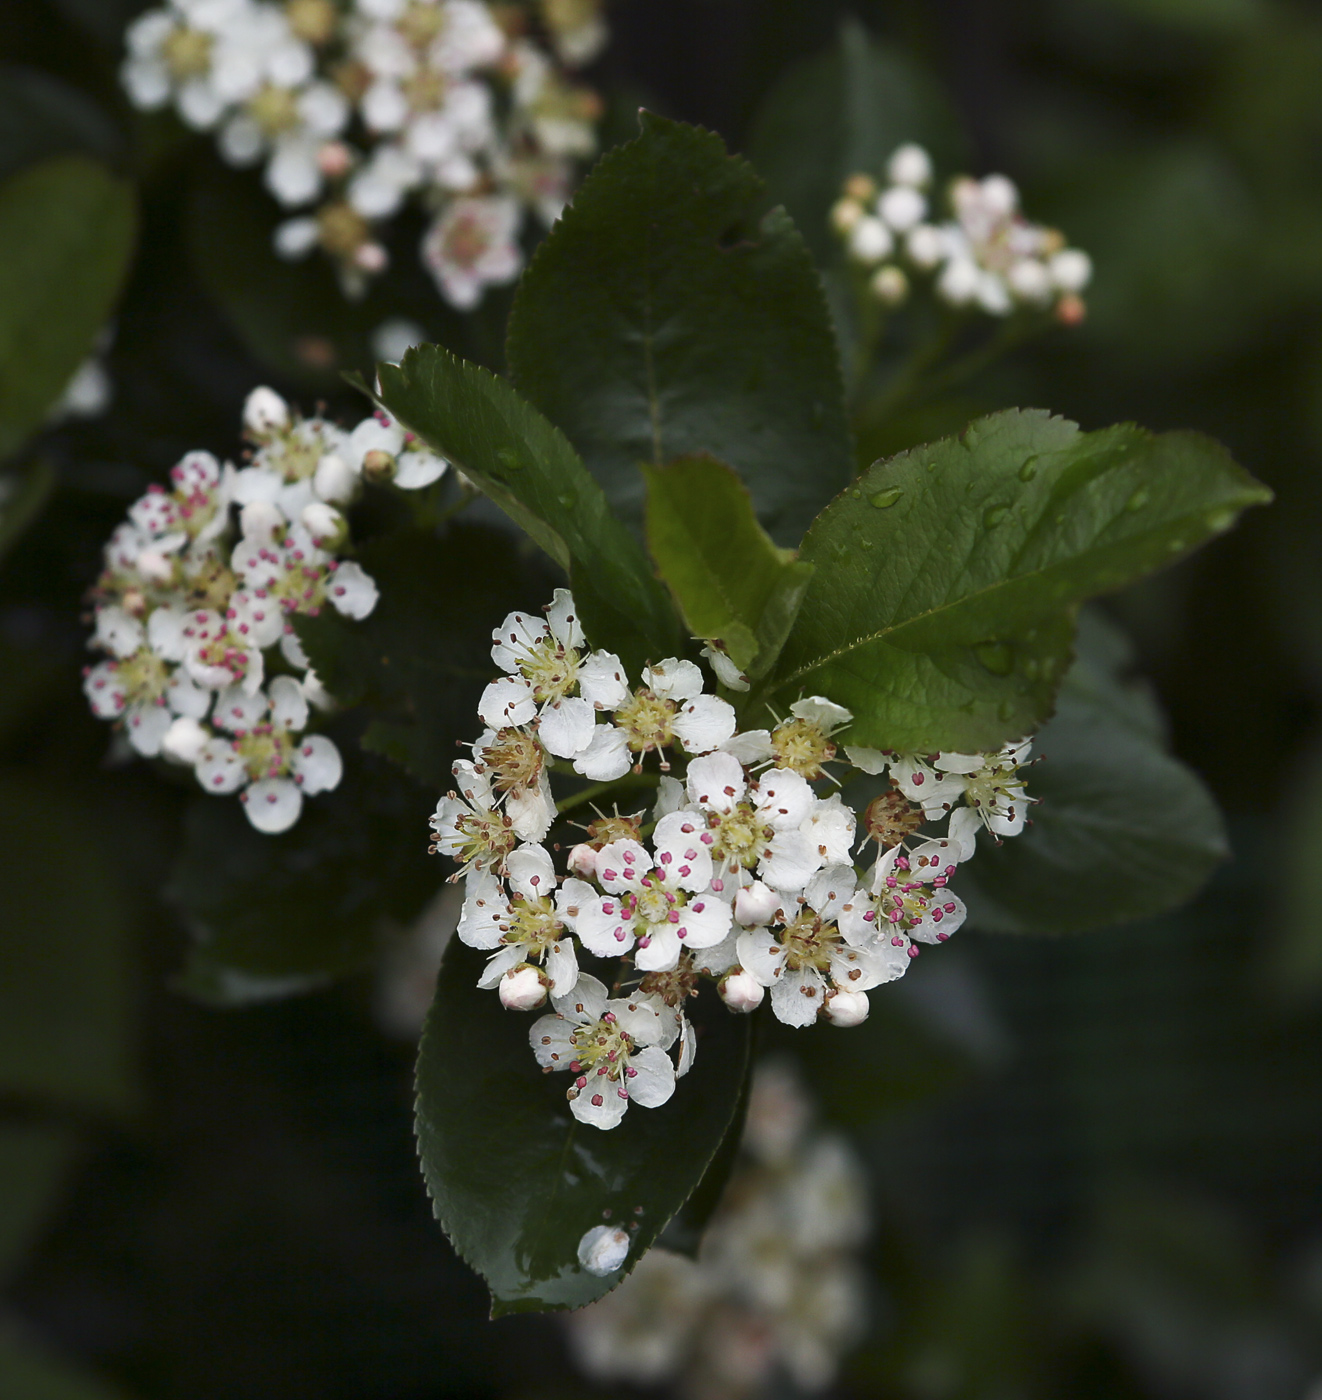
(940, 609)
(481, 424)
(66, 233)
(1123, 830)
(516, 1182)
(665, 315)
(730, 581)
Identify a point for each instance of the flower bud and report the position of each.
(741, 991)
(603, 1249)
(1071, 269)
(326, 525)
(902, 207)
(925, 245)
(335, 479)
(756, 904)
(889, 285)
(583, 861)
(371, 258)
(379, 466)
(870, 240)
(1030, 281)
(259, 520)
(265, 412)
(334, 160)
(861, 187)
(909, 165)
(523, 988)
(184, 741)
(847, 1008)
(1070, 310)
(845, 213)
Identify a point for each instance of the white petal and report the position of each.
(704, 922)
(681, 854)
(562, 619)
(798, 996)
(705, 723)
(673, 679)
(532, 811)
(498, 964)
(607, 757)
(726, 671)
(352, 592)
(670, 797)
(792, 861)
(688, 1049)
(219, 768)
(831, 889)
(816, 709)
(485, 911)
(602, 930)
(292, 650)
(830, 827)
(146, 727)
(652, 1080)
(752, 746)
(515, 638)
(964, 824)
(184, 741)
(185, 698)
(561, 966)
(551, 1040)
(272, 805)
(784, 799)
(867, 760)
(531, 871)
(316, 764)
(574, 895)
(601, 680)
(761, 955)
(584, 1002)
(165, 632)
(118, 632)
(238, 711)
(658, 950)
(566, 727)
(507, 703)
(600, 1106)
(622, 864)
(419, 469)
(104, 692)
(716, 782)
(289, 708)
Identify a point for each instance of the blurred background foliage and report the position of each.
(1097, 1162)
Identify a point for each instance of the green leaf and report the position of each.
(66, 233)
(27, 1373)
(730, 581)
(940, 609)
(34, 1159)
(516, 1182)
(273, 915)
(420, 661)
(1123, 831)
(22, 499)
(66, 992)
(665, 316)
(843, 112)
(481, 424)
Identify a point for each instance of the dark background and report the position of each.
(1097, 1162)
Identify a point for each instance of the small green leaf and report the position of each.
(940, 609)
(1124, 830)
(666, 315)
(730, 581)
(66, 233)
(516, 1182)
(481, 424)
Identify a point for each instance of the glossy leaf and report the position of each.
(940, 609)
(516, 1182)
(1123, 830)
(66, 233)
(482, 424)
(730, 581)
(666, 315)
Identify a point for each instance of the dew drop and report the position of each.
(994, 515)
(1138, 500)
(997, 657)
(1175, 546)
(883, 499)
(566, 498)
(1220, 519)
(1032, 668)
(856, 493)
(1029, 470)
(508, 458)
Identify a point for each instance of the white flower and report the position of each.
(530, 924)
(662, 902)
(611, 1047)
(913, 898)
(469, 827)
(473, 245)
(991, 785)
(909, 165)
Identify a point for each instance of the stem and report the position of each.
(596, 790)
(907, 379)
(1009, 337)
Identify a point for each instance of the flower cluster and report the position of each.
(741, 870)
(775, 1291)
(202, 665)
(354, 110)
(986, 256)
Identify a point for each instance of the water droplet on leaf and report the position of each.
(1029, 470)
(508, 458)
(994, 515)
(887, 498)
(1220, 519)
(1138, 500)
(997, 657)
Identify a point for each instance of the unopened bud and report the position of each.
(845, 213)
(910, 165)
(184, 741)
(334, 160)
(741, 991)
(861, 187)
(335, 479)
(523, 988)
(902, 207)
(756, 904)
(603, 1249)
(371, 258)
(1070, 310)
(265, 412)
(889, 285)
(259, 520)
(583, 861)
(326, 525)
(847, 1008)
(1071, 269)
(379, 466)
(870, 240)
